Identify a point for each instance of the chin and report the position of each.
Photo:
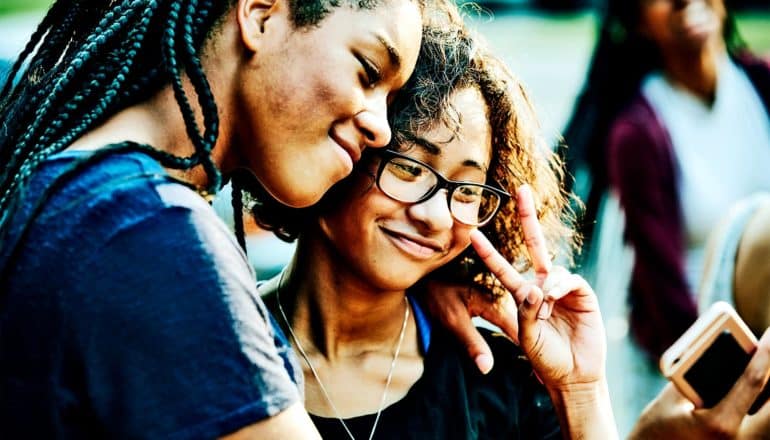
(298, 196)
(400, 279)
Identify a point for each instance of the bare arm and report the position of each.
(672, 416)
(293, 423)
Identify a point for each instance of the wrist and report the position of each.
(580, 392)
(584, 409)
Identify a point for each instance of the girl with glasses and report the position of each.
(375, 365)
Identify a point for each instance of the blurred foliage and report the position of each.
(12, 6)
(755, 28)
(754, 25)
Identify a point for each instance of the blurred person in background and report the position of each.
(737, 262)
(674, 118)
(736, 270)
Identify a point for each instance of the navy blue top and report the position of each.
(131, 312)
(453, 400)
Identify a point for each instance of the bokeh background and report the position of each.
(548, 44)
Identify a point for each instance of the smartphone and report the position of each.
(707, 360)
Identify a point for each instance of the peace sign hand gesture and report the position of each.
(555, 320)
(559, 325)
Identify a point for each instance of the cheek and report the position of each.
(460, 239)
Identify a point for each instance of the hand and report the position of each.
(454, 305)
(672, 416)
(560, 327)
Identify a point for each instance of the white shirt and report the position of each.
(722, 151)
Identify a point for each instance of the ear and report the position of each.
(252, 16)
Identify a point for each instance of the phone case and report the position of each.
(678, 359)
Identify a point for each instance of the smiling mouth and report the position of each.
(417, 248)
(354, 151)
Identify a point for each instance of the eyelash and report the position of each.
(371, 72)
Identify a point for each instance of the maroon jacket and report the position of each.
(643, 171)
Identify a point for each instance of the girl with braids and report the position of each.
(128, 309)
(374, 363)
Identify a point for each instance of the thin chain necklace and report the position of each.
(318, 378)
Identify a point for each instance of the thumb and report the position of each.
(532, 298)
(500, 311)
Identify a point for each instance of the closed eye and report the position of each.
(372, 74)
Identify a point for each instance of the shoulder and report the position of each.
(751, 61)
(508, 397)
(124, 194)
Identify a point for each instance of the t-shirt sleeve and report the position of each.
(172, 338)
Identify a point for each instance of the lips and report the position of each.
(352, 148)
(415, 245)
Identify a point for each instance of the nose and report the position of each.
(372, 122)
(433, 213)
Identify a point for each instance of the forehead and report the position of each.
(472, 138)
(395, 24)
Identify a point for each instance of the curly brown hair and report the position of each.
(520, 155)
(451, 60)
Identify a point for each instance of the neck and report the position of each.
(158, 121)
(335, 309)
(696, 71)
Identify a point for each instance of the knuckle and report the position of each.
(755, 377)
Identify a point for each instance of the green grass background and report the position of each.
(754, 26)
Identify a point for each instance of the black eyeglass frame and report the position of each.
(386, 155)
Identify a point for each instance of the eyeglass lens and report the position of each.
(409, 181)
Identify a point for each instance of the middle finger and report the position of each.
(533, 232)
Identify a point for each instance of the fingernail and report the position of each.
(484, 362)
(532, 296)
(544, 311)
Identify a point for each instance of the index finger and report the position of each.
(533, 232)
(497, 264)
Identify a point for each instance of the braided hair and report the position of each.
(88, 59)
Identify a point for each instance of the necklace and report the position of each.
(318, 378)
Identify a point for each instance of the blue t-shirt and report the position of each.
(129, 311)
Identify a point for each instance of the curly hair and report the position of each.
(452, 60)
(520, 155)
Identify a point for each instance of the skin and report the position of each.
(688, 34)
(352, 293)
(752, 271)
(672, 416)
(296, 107)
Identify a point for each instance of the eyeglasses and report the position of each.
(410, 181)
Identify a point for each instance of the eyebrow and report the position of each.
(393, 55)
(434, 150)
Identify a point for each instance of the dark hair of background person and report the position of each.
(88, 59)
(621, 59)
(452, 59)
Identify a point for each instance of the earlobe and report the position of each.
(252, 17)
